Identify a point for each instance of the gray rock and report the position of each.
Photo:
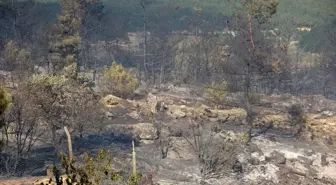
(262, 173)
(277, 157)
(309, 152)
(40, 70)
(153, 102)
(256, 158)
(142, 131)
(329, 140)
(175, 132)
(324, 161)
(213, 119)
(145, 131)
(154, 91)
(176, 112)
(327, 113)
(110, 100)
(243, 158)
(134, 115)
(167, 87)
(109, 115)
(237, 167)
(305, 161)
(254, 161)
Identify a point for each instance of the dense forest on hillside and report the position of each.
(144, 92)
(301, 12)
(170, 13)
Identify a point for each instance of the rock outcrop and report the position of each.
(110, 101)
(143, 131)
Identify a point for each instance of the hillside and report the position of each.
(168, 92)
(299, 12)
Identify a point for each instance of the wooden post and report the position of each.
(134, 159)
(69, 143)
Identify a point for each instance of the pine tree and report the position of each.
(4, 104)
(250, 48)
(66, 37)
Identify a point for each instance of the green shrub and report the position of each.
(47, 89)
(118, 81)
(298, 119)
(48, 81)
(254, 98)
(284, 97)
(4, 100)
(216, 92)
(18, 56)
(134, 179)
(296, 115)
(94, 171)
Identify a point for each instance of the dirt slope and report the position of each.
(19, 181)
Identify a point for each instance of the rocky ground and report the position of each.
(164, 120)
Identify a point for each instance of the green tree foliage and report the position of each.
(48, 84)
(217, 92)
(49, 93)
(66, 37)
(134, 179)
(297, 115)
(261, 10)
(4, 104)
(320, 38)
(65, 102)
(4, 2)
(93, 19)
(305, 12)
(94, 171)
(250, 46)
(118, 81)
(4, 100)
(17, 57)
(298, 119)
(254, 98)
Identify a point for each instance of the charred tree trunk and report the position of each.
(249, 116)
(145, 39)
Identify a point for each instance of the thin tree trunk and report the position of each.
(250, 30)
(145, 40)
(249, 116)
(6, 134)
(77, 70)
(153, 72)
(161, 70)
